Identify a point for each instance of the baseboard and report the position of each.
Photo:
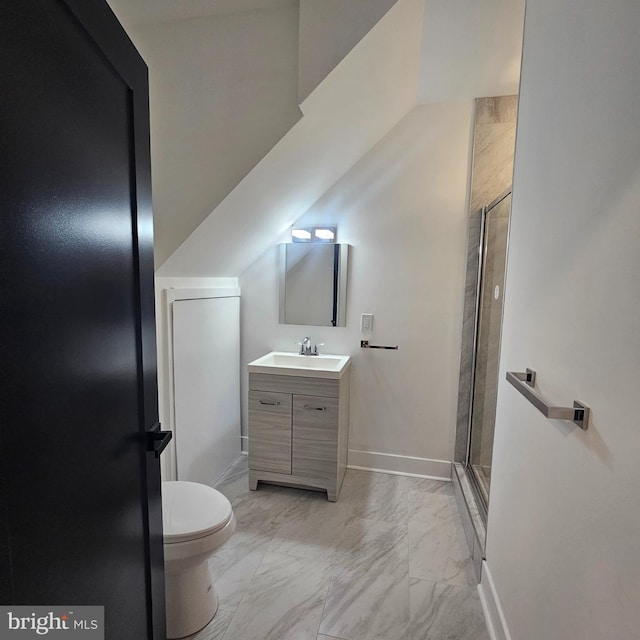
(493, 614)
(399, 465)
(244, 444)
(391, 463)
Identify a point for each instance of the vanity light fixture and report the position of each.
(326, 235)
(300, 235)
(314, 234)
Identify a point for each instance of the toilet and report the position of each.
(197, 520)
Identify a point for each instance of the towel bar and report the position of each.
(364, 344)
(525, 382)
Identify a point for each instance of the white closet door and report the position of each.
(206, 357)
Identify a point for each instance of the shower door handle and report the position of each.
(525, 382)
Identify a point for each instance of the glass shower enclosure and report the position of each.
(492, 260)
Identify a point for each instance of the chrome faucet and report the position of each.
(305, 347)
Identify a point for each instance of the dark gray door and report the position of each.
(80, 518)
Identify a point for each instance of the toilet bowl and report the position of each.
(197, 520)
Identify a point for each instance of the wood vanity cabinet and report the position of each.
(298, 431)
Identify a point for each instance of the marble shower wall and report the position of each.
(493, 147)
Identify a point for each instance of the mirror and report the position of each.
(313, 284)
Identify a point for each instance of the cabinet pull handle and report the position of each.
(271, 404)
(309, 408)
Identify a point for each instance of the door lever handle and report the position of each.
(158, 440)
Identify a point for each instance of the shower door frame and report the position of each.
(483, 496)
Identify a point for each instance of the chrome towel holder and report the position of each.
(364, 344)
(525, 383)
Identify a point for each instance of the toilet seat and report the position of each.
(191, 511)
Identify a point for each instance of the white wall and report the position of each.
(563, 543)
(470, 49)
(403, 210)
(223, 91)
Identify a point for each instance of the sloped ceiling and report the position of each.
(421, 51)
(223, 92)
(329, 29)
(144, 12)
(357, 104)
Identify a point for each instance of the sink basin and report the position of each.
(292, 364)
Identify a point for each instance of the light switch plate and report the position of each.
(366, 322)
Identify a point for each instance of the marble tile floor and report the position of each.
(388, 561)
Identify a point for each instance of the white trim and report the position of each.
(493, 614)
(244, 444)
(400, 465)
(172, 295)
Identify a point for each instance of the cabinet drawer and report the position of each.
(294, 384)
(315, 436)
(270, 431)
(269, 402)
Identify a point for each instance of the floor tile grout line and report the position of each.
(324, 603)
(332, 571)
(244, 595)
(337, 565)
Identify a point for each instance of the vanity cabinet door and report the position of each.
(315, 436)
(270, 431)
